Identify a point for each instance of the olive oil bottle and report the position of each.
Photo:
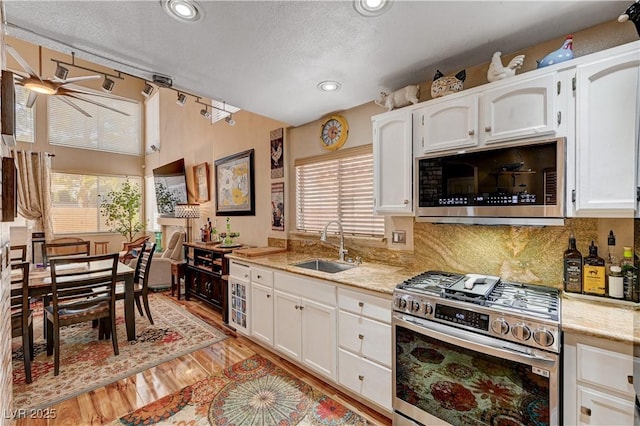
(593, 273)
(572, 268)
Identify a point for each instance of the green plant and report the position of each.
(121, 210)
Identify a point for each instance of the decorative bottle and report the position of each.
(629, 275)
(616, 285)
(593, 273)
(572, 268)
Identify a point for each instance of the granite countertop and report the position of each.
(601, 318)
(619, 322)
(370, 276)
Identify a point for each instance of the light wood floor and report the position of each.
(106, 404)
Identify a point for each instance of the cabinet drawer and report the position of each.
(365, 337)
(239, 270)
(319, 291)
(365, 378)
(596, 408)
(262, 276)
(365, 304)
(619, 367)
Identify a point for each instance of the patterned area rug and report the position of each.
(87, 363)
(251, 392)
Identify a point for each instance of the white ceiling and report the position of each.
(268, 56)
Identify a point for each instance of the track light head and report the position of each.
(205, 113)
(61, 72)
(182, 98)
(229, 119)
(147, 90)
(107, 84)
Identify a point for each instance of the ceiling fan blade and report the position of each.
(32, 98)
(74, 79)
(67, 88)
(24, 64)
(91, 101)
(73, 105)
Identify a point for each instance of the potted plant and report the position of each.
(121, 210)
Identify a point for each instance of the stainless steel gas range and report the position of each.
(473, 349)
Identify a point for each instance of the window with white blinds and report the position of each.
(76, 201)
(337, 186)
(24, 117)
(105, 130)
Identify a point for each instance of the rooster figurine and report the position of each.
(632, 14)
(497, 71)
(565, 53)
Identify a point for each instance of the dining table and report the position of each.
(40, 285)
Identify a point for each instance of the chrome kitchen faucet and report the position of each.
(323, 238)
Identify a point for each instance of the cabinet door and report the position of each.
(446, 125)
(597, 408)
(262, 313)
(392, 163)
(519, 110)
(239, 305)
(365, 337)
(319, 337)
(287, 324)
(607, 132)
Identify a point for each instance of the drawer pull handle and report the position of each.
(246, 275)
(586, 411)
(268, 296)
(259, 277)
(297, 307)
(360, 336)
(361, 304)
(630, 379)
(361, 377)
(487, 129)
(301, 307)
(472, 132)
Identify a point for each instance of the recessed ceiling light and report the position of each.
(183, 10)
(371, 7)
(329, 86)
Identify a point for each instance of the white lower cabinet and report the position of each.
(371, 380)
(262, 313)
(598, 382)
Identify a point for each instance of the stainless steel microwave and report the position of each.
(525, 179)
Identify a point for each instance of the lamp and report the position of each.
(229, 119)
(188, 211)
(182, 98)
(147, 90)
(205, 112)
(61, 72)
(107, 84)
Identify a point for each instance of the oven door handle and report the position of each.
(464, 338)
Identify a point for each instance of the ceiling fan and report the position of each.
(64, 88)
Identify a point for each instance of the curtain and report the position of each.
(34, 189)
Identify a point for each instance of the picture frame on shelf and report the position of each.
(235, 185)
(201, 180)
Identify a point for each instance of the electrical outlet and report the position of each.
(398, 237)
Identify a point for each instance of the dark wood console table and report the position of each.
(205, 272)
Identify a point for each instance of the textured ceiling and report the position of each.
(267, 57)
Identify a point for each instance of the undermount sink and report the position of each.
(324, 266)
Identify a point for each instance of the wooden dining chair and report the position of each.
(71, 280)
(18, 253)
(21, 313)
(66, 248)
(141, 280)
(129, 248)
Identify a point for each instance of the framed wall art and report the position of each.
(277, 153)
(201, 179)
(277, 206)
(235, 185)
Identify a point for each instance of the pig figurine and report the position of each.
(399, 98)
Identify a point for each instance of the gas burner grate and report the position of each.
(431, 281)
(542, 302)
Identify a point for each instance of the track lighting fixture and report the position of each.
(205, 112)
(107, 84)
(147, 90)
(182, 98)
(61, 72)
(229, 119)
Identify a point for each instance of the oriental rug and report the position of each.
(251, 392)
(87, 363)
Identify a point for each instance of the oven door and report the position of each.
(444, 375)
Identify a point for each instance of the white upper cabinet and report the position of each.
(607, 127)
(393, 159)
(518, 110)
(446, 124)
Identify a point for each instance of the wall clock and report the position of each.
(333, 132)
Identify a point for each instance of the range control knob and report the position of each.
(543, 337)
(500, 326)
(400, 302)
(415, 306)
(428, 309)
(521, 332)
